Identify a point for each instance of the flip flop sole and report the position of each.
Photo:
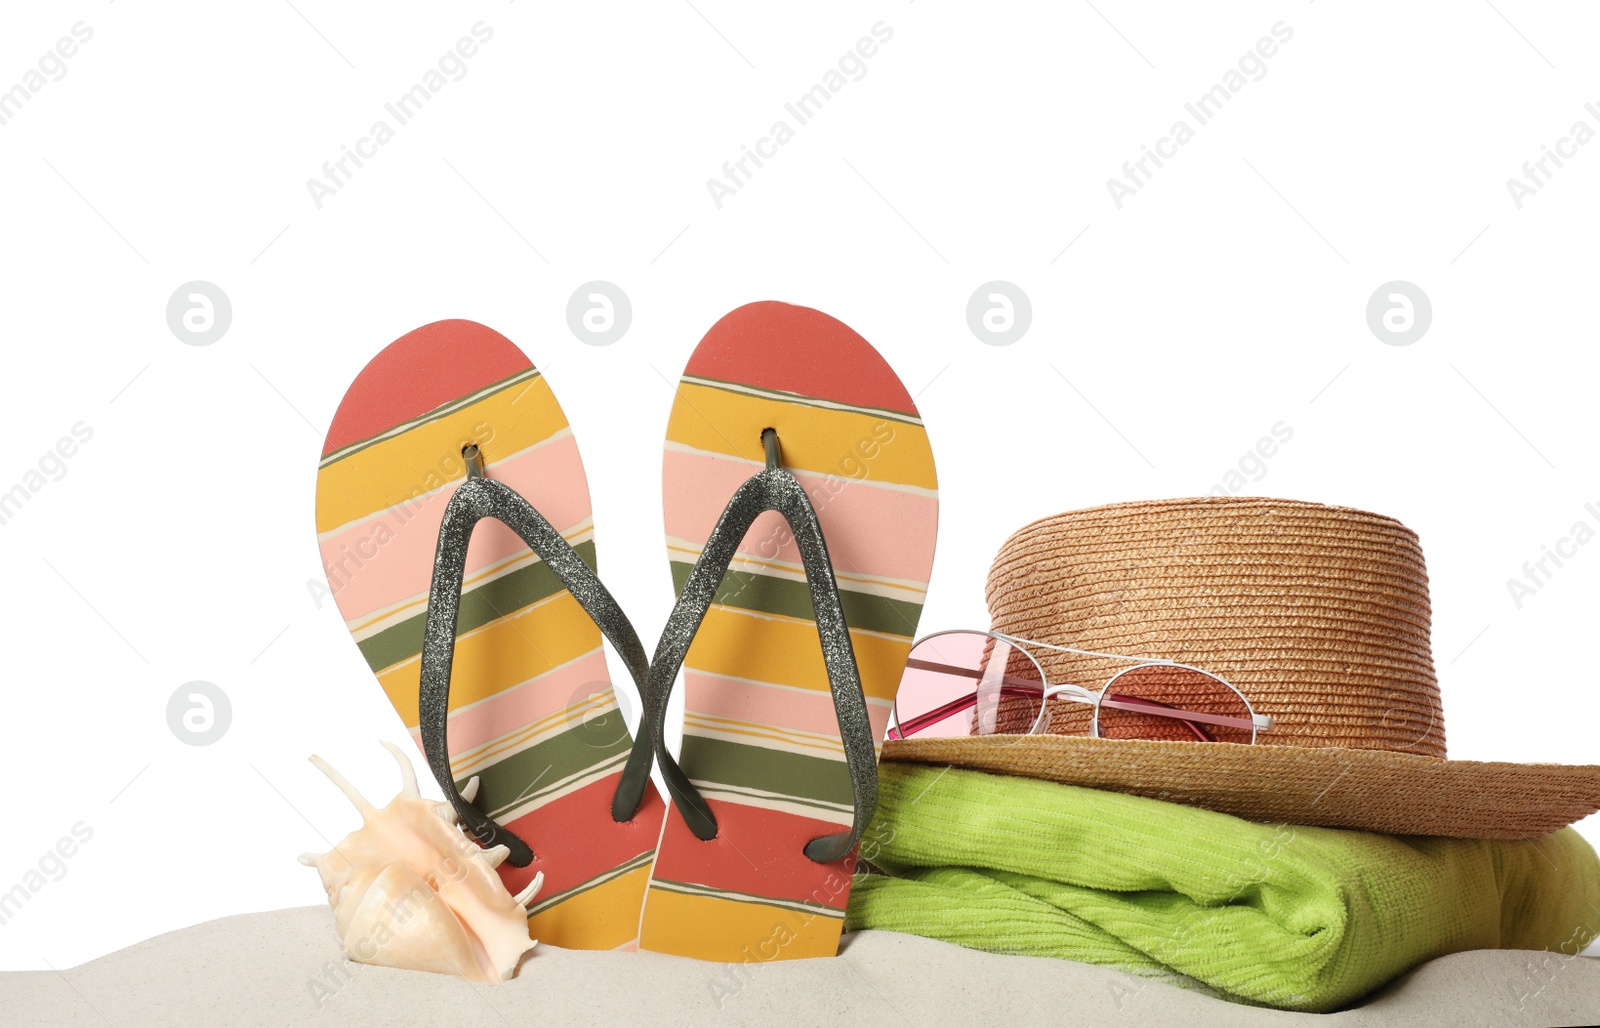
(761, 738)
(532, 711)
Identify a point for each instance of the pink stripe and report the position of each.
(870, 531)
(526, 703)
(782, 708)
(390, 558)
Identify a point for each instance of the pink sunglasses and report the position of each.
(956, 683)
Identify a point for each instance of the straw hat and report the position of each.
(1318, 614)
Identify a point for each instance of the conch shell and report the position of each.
(410, 889)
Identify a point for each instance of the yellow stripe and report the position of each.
(828, 442)
(712, 928)
(428, 456)
(497, 656)
(604, 917)
(785, 651)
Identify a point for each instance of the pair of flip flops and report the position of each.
(801, 503)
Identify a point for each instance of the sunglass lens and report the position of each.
(953, 686)
(1151, 701)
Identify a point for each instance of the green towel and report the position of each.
(1285, 916)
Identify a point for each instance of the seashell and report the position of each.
(411, 889)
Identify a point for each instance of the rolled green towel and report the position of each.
(1286, 916)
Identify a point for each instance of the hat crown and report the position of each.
(1318, 614)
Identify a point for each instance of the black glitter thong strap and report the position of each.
(476, 499)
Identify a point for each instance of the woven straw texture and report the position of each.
(1318, 614)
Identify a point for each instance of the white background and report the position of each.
(1227, 295)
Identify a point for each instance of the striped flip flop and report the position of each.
(792, 627)
(485, 636)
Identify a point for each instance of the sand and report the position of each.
(286, 967)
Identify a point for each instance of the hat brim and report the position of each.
(1372, 790)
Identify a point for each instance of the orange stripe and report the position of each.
(492, 659)
(827, 442)
(785, 651)
(678, 923)
(604, 917)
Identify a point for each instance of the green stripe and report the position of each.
(479, 605)
(753, 767)
(634, 864)
(692, 889)
(811, 401)
(785, 597)
(441, 411)
(542, 767)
